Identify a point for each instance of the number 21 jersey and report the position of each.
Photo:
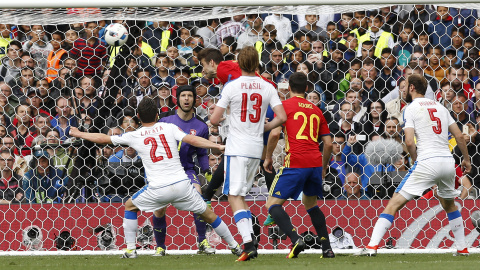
(248, 98)
(157, 146)
(430, 121)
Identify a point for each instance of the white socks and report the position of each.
(381, 227)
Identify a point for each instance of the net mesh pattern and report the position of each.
(58, 71)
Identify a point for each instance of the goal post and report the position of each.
(93, 181)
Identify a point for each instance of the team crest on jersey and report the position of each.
(193, 132)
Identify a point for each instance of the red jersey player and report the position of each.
(302, 169)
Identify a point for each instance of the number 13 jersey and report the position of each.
(304, 127)
(157, 146)
(430, 120)
(248, 98)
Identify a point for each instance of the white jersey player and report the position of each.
(156, 144)
(430, 123)
(248, 98)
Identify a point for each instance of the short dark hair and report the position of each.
(147, 110)
(230, 42)
(419, 82)
(58, 33)
(16, 43)
(298, 82)
(387, 50)
(210, 54)
(367, 42)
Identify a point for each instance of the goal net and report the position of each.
(57, 71)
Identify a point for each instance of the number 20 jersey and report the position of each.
(157, 146)
(248, 98)
(430, 121)
(304, 127)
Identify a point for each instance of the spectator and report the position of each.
(280, 22)
(472, 139)
(334, 70)
(91, 53)
(337, 163)
(389, 72)
(11, 64)
(7, 100)
(459, 111)
(128, 123)
(372, 84)
(214, 159)
(228, 47)
(62, 159)
(352, 188)
(411, 68)
(215, 138)
(42, 124)
(374, 119)
(276, 65)
(351, 43)
(457, 77)
(23, 84)
(90, 103)
(230, 27)
(446, 95)
(208, 33)
(268, 43)
(393, 130)
(64, 119)
(43, 183)
(144, 84)
(457, 36)
(312, 28)
(396, 106)
(440, 29)
(404, 47)
(332, 33)
(48, 95)
(23, 130)
(253, 33)
(421, 16)
(380, 38)
(38, 46)
(345, 124)
(56, 56)
(4, 38)
(160, 35)
(347, 24)
(353, 72)
(164, 97)
(184, 48)
(390, 19)
(70, 37)
(34, 101)
(436, 65)
(10, 189)
(3, 131)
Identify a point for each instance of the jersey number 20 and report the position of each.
(257, 106)
(151, 140)
(311, 121)
(438, 128)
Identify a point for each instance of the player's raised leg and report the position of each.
(130, 226)
(384, 222)
(456, 225)
(159, 222)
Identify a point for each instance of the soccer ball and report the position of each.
(116, 34)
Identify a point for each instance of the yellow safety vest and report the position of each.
(165, 39)
(3, 46)
(146, 49)
(259, 48)
(382, 42)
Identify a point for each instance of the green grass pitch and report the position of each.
(263, 262)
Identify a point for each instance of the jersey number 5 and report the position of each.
(257, 106)
(438, 128)
(312, 120)
(151, 140)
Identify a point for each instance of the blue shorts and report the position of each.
(193, 177)
(290, 182)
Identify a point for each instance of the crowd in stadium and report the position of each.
(53, 77)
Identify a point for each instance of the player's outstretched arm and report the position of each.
(202, 143)
(410, 142)
(93, 137)
(455, 131)
(280, 118)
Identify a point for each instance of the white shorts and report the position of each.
(426, 173)
(239, 175)
(182, 195)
